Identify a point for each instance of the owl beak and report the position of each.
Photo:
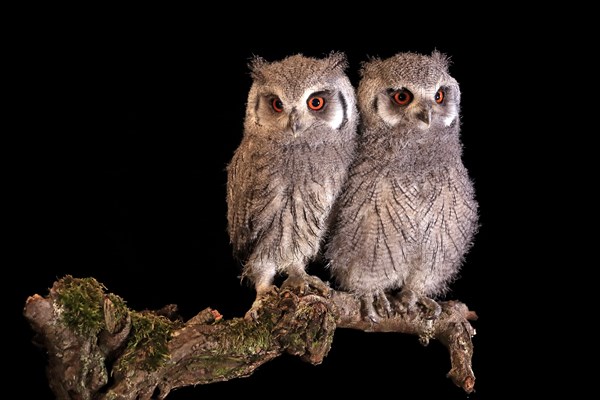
(294, 122)
(424, 115)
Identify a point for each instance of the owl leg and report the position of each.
(408, 301)
(264, 287)
(300, 281)
(253, 313)
(376, 305)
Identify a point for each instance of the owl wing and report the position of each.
(451, 221)
(240, 176)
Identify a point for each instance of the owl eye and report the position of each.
(439, 96)
(316, 103)
(402, 97)
(277, 105)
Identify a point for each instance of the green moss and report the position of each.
(82, 304)
(119, 306)
(148, 341)
(212, 367)
(244, 338)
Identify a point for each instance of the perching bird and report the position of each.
(283, 179)
(408, 214)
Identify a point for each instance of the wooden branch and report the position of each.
(99, 349)
(451, 328)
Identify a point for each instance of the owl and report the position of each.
(284, 177)
(408, 213)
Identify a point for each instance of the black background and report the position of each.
(125, 130)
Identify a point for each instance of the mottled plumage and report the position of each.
(408, 213)
(289, 168)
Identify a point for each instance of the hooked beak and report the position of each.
(424, 115)
(294, 122)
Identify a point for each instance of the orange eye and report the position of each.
(402, 97)
(439, 96)
(316, 103)
(277, 105)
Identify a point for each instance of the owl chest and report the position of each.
(299, 173)
(438, 202)
(408, 200)
(399, 198)
(294, 189)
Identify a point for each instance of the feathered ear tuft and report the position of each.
(338, 60)
(441, 59)
(368, 67)
(256, 65)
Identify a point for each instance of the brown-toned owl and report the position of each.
(408, 213)
(283, 179)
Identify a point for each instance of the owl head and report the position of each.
(408, 90)
(300, 97)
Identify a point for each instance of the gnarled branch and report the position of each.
(99, 349)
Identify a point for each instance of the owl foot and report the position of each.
(254, 312)
(302, 283)
(409, 302)
(376, 306)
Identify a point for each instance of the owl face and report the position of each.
(315, 107)
(410, 91)
(299, 97)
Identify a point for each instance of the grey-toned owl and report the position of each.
(283, 179)
(408, 213)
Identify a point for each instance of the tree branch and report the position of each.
(99, 349)
(451, 328)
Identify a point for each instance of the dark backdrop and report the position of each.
(125, 136)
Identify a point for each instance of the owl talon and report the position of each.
(407, 300)
(253, 313)
(376, 306)
(302, 283)
(430, 308)
(369, 312)
(411, 303)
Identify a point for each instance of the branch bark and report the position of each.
(98, 349)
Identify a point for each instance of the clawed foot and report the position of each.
(298, 283)
(253, 313)
(409, 302)
(376, 306)
(302, 283)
